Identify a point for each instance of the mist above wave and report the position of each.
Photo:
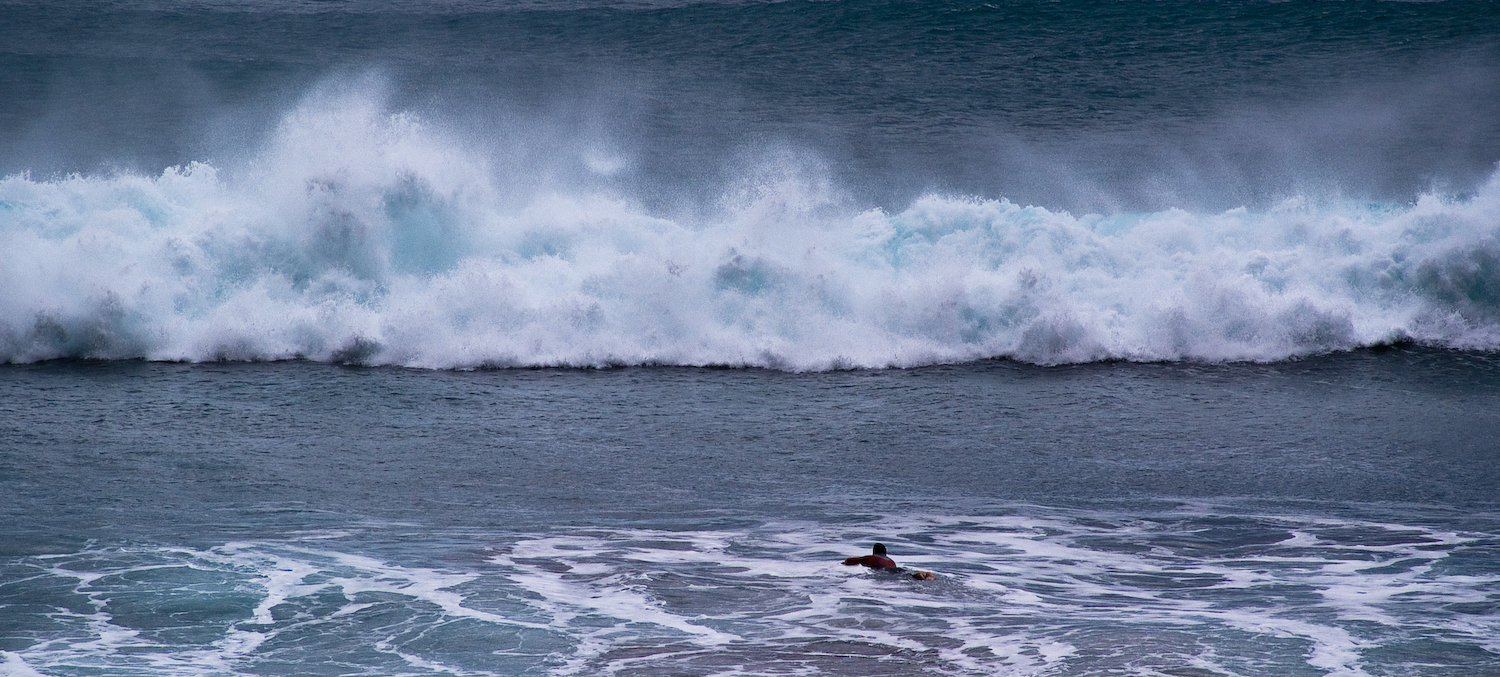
(358, 235)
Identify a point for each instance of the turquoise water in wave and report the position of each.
(799, 186)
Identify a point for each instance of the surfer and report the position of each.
(878, 561)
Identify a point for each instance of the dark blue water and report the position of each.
(1079, 105)
(175, 444)
(1335, 515)
(575, 338)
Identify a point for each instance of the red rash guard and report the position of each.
(872, 561)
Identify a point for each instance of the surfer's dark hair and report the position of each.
(880, 548)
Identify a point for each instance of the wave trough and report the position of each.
(367, 237)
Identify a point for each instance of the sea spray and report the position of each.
(362, 236)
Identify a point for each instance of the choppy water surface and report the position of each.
(1331, 516)
(1177, 590)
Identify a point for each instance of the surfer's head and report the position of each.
(880, 549)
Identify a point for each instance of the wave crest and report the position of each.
(360, 236)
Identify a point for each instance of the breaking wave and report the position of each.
(368, 237)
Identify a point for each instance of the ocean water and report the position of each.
(1327, 516)
(561, 337)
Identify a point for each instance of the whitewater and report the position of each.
(361, 234)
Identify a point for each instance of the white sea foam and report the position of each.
(1033, 592)
(15, 666)
(1076, 600)
(361, 235)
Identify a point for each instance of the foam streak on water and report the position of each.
(1196, 591)
(364, 236)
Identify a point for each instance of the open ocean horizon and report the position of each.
(555, 337)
